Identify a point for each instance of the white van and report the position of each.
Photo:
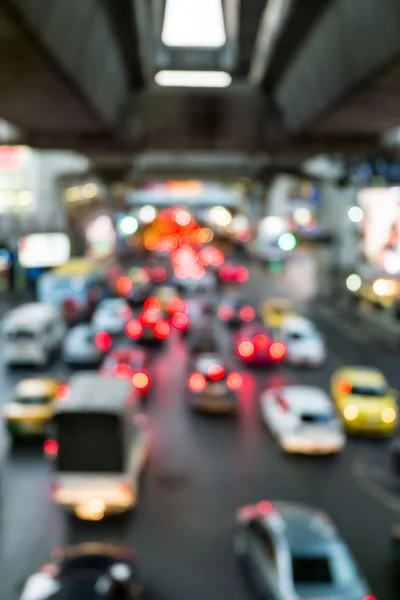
(32, 333)
(99, 447)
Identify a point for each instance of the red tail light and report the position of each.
(124, 285)
(242, 274)
(247, 314)
(103, 341)
(225, 312)
(261, 342)
(62, 392)
(152, 303)
(134, 329)
(148, 317)
(265, 508)
(180, 321)
(234, 381)
(277, 350)
(50, 447)
(159, 274)
(175, 305)
(216, 372)
(141, 381)
(245, 349)
(197, 382)
(162, 329)
(344, 387)
(122, 371)
(283, 404)
(226, 273)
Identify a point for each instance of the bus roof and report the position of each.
(92, 392)
(77, 266)
(32, 315)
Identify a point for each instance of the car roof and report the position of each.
(31, 315)
(298, 324)
(40, 386)
(305, 528)
(303, 398)
(360, 375)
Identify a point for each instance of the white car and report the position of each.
(304, 343)
(111, 316)
(80, 347)
(303, 420)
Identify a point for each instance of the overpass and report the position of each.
(308, 76)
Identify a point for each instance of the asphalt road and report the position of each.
(201, 469)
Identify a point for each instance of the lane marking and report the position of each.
(360, 475)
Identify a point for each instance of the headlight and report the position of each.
(388, 415)
(350, 412)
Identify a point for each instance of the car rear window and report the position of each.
(366, 390)
(311, 570)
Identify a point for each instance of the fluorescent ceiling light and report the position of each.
(195, 23)
(206, 79)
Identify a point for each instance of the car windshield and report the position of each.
(336, 567)
(377, 391)
(315, 419)
(33, 400)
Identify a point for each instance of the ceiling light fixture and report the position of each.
(194, 79)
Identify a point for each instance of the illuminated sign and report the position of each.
(44, 250)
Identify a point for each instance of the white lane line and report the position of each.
(360, 474)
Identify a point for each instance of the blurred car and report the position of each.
(83, 346)
(303, 420)
(151, 327)
(87, 571)
(364, 400)
(141, 285)
(295, 551)
(205, 283)
(30, 408)
(256, 344)
(235, 311)
(233, 273)
(166, 295)
(128, 363)
(212, 388)
(304, 343)
(275, 310)
(111, 316)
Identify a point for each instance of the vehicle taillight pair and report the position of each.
(247, 349)
(197, 381)
(161, 328)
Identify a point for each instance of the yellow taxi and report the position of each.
(31, 406)
(275, 310)
(364, 400)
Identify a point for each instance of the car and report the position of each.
(203, 283)
(256, 344)
(304, 343)
(166, 295)
(111, 316)
(212, 387)
(364, 400)
(235, 311)
(128, 363)
(91, 570)
(275, 310)
(141, 286)
(149, 327)
(84, 346)
(294, 551)
(302, 419)
(233, 273)
(30, 407)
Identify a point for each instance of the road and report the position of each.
(201, 469)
